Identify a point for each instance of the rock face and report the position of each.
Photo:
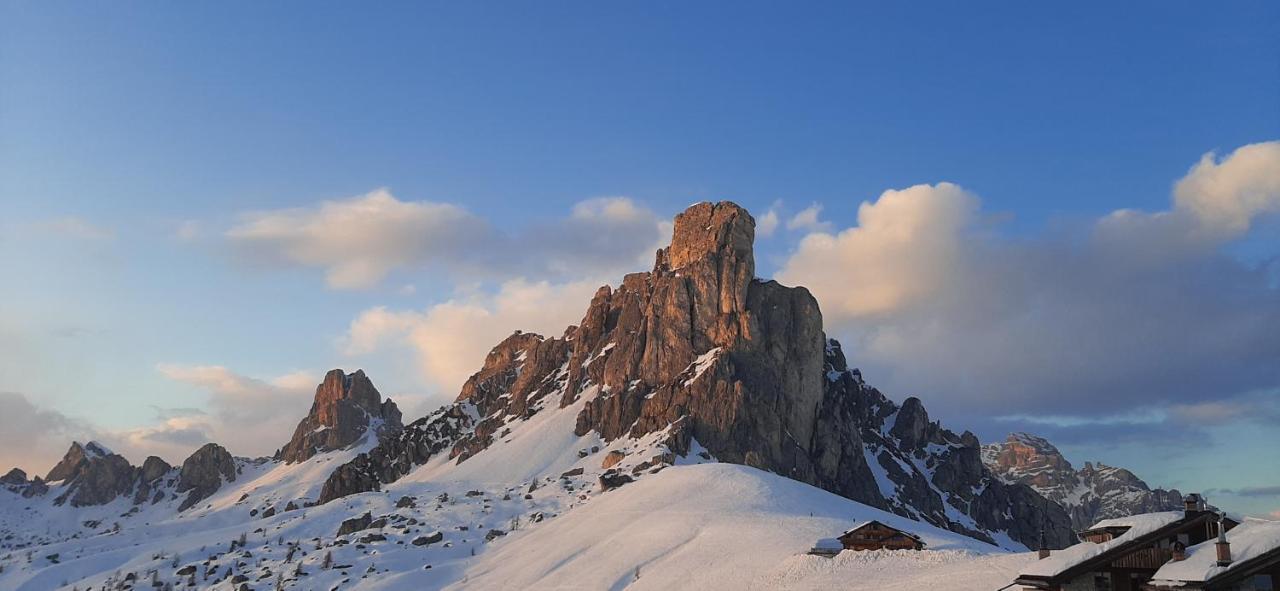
(701, 353)
(1090, 494)
(92, 475)
(346, 407)
(76, 459)
(397, 455)
(14, 477)
(202, 473)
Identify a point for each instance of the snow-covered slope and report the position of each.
(710, 526)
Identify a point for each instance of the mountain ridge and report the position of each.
(1090, 494)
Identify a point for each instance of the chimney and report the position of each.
(1179, 551)
(1192, 504)
(1223, 546)
(1043, 553)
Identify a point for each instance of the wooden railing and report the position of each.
(1152, 558)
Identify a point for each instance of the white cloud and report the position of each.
(903, 249)
(450, 339)
(767, 224)
(1217, 201)
(1139, 311)
(807, 220)
(358, 241)
(249, 416)
(34, 438)
(1226, 196)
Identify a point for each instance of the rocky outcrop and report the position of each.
(76, 459)
(149, 480)
(346, 407)
(397, 455)
(203, 473)
(16, 481)
(14, 477)
(1090, 494)
(699, 351)
(92, 475)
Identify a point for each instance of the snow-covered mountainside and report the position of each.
(696, 411)
(528, 513)
(1090, 494)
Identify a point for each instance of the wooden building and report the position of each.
(1124, 554)
(874, 535)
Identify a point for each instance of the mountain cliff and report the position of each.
(346, 406)
(1090, 494)
(702, 355)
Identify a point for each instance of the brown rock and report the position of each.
(345, 407)
(612, 458)
(14, 477)
(203, 472)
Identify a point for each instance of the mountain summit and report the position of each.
(346, 406)
(1090, 494)
(703, 357)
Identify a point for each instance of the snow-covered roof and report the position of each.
(862, 524)
(1164, 517)
(1250, 539)
(1139, 525)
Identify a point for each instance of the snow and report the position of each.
(93, 449)
(828, 544)
(895, 570)
(1139, 525)
(1152, 521)
(1249, 539)
(701, 364)
(709, 526)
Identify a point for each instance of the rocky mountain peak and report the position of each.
(69, 464)
(92, 474)
(1034, 457)
(1090, 494)
(14, 477)
(346, 406)
(76, 458)
(203, 472)
(700, 353)
(723, 231)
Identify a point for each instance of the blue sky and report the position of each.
(140, 145)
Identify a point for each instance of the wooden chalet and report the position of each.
(874, 535)
(1124, 554)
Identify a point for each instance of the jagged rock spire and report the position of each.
(346, 407)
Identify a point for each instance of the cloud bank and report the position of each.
(1136, 310)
